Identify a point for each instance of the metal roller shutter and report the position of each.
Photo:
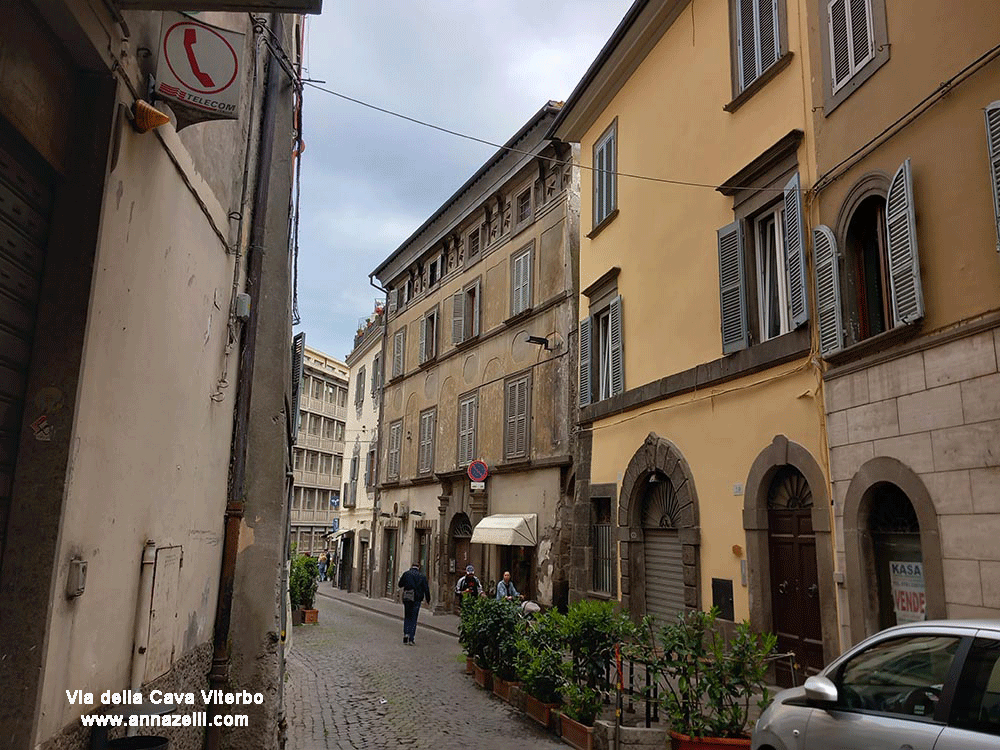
(664, 568)
(25, 205)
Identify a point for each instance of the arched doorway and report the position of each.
(459, 547)
(791, 542)
(896, 553)
(663, 557)
(659, 508)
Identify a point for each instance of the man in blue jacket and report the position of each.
(415, 590)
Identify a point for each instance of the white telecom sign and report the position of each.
(199, 69)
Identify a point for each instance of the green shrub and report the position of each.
(709, 684)
(303, 582)
(591, 630)
(581, 703)
(539, 664)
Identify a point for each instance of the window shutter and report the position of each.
(862, 33)
(423, 340)
(615, 336)
(298, 358)
(475, 310)
(585, 363)
(769, 39)
(522, 417)
(904, 262)
(511, 419)
(993, 142)
(462, 410)
(840, 47)
(599, 168)
(398, 346)
(826, 260)
(746, 42)
(526, 260)
(392, 295)
(458, 318)
(731, 289)
(795, 256)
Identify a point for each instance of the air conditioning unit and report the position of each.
(402, 510)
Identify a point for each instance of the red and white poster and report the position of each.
(907, 582)
(199, 69)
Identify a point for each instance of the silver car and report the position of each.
(921, 686)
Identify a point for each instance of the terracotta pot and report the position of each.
(484, 677)
(501, 688)
(540, 712)
(470, 665)
(683, 742)
(310, 616)
(578, 735)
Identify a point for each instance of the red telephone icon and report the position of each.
(190, 37)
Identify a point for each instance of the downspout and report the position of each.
(376, 504)
(141, 638)
(218, 677)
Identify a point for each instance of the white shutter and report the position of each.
(522, 417)
(393, 297)
(462, 410)
(475, 310)
(732, 294)
(993, 144)
(526, 280)
(585, 363)
(840, 47)
(423, 340)
(616, 345)
(599, 168)
(746, 41)
(511, 436)
(458, 318)
(398, 344)
(828, 320)
(904, 261)
(795, 256)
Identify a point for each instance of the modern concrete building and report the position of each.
(319, 452)
(702, 468)
(354, 536)
(907, 215)
(478, 355)
(145, 438)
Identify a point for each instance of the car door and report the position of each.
(974, 720)
(887, 696)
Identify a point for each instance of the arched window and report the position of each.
(867, 270)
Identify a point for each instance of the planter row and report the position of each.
(578, 735)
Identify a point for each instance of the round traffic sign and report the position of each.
(478, 471)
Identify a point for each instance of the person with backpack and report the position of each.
(415, 590)
(468, 586)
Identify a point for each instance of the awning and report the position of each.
(507, 529)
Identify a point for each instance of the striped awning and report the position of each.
(507, 529)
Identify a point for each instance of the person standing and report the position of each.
(468, 586)
(506, 590)
(324, 560)
(415, 590)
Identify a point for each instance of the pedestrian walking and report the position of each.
(415, 591)
(324, 561)
(506, 590)
(468, 585)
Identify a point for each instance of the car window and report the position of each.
(977, 698)
(898, 676)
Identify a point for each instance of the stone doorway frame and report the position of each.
(783, 452)
(656, 455)
(859, 549)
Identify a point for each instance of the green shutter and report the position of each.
(732, 295)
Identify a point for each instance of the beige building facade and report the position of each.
(702, 476)
(143, 493)
(319, 452)
(907, 126)
(493, 267)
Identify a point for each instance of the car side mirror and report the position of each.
(821, 690)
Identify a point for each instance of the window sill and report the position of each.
(467, 342)
(762, 80)
(602, 595)
(873, 346)
(424, 478)
(600, 227)
(514, 319)
(429, 362)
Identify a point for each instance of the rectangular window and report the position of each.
(338, 465)
(297, 499)
(328, 429)
(602, 360)
(312, 461)
(350, 499)
(376, 375)
(603, 547)
(602, 329)
(338, 429)
(758, 39)
(370, 468)
(434, 272)
(473, 239)
(605, 175)
(342, 397)
(310, 499)
(298, 458)
(465, 313)
(772, 275)
(325, 464)
(520, 280)
(330, 392)
(398, 353)
(517, 411)
(428, 336)
(522, 209)
(395, 444)
(467, 415)
(359, 388)
(852, 38)
(303, 422)
(317, 389)
(425, 458)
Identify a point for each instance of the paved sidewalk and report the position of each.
(442, 623)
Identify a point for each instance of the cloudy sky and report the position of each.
(369, 179)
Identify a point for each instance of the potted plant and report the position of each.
(471, 635)
(709, 684)
(539, 665)
(505, 627)
(302, 585)
(581, 706)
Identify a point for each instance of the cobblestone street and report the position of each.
(341, 671)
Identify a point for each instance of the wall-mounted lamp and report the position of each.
(145, 117)
(540, 340)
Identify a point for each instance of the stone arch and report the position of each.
(859, 549)
(657, 455)
(783, 452)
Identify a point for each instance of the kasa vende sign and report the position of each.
(199, 70)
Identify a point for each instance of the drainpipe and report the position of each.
(141, 638)
(218, 677)
(376, 505)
